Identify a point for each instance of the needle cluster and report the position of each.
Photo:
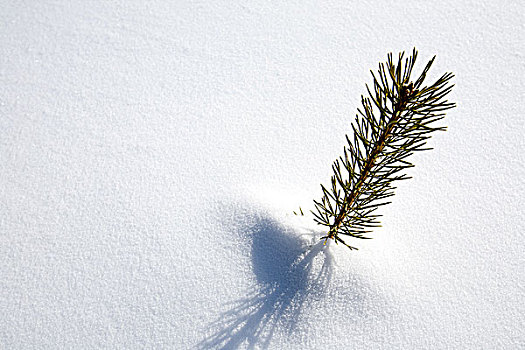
(395, 120)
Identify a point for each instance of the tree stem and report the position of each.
(334, 228)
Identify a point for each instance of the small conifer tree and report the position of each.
(395, 120)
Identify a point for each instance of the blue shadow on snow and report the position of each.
(287, 271)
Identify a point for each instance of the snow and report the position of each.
(152, 154)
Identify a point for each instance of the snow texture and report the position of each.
(152, 153)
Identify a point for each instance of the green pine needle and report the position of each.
(395, 120)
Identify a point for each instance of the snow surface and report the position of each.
(152, 153)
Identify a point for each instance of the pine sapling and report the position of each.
(395, 120)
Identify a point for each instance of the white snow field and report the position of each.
(152, 154)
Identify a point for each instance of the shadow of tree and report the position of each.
(287, 272)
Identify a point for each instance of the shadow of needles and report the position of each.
(287, 273)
